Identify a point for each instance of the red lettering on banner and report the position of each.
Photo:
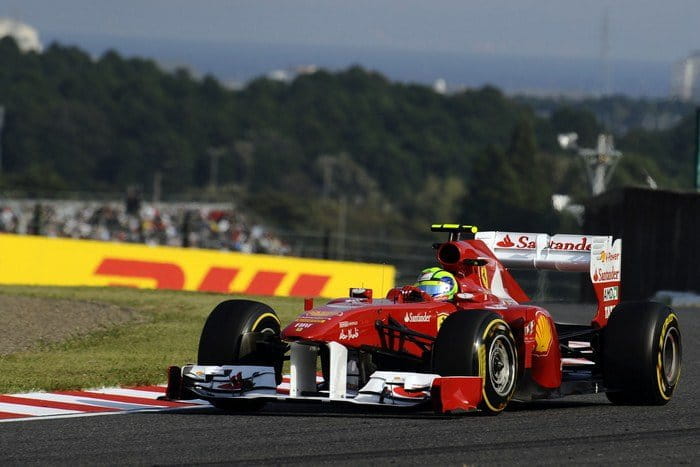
(265, 283)
(218, 280)
(166, 275)
(309, 285)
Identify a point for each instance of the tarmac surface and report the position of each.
(580, 429)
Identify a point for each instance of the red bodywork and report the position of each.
(484, 283)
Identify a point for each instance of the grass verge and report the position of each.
(135, 353)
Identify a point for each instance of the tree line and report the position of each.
(383, 158)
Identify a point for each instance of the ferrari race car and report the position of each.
(478, 351)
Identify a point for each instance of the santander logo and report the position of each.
(557, 242)
(506, 242)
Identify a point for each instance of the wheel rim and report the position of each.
(502, 365)
(670, 356)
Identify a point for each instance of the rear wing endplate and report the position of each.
(600, 256)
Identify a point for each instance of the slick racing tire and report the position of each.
(642, 354)
(479, 343)
(232, 335)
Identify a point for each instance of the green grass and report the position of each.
(135, 353)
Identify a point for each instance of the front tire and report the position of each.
(232, 335)
(479, 343)
(642, 354)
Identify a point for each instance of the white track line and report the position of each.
(49, 396)
(140, 393)
(33, 410)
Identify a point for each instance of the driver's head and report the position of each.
(438, 283)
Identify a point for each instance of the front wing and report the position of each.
(383, 388)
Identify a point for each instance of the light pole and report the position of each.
(600, 163)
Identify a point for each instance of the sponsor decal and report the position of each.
(607, 256)
(506, 242)
(348, 302)
(529, 328)
(217, 279)
(524, 242)
(349, 334)
(484, 277)
(582, 245)
(600, 275)
(238, 383)
(347, 324)
(298, 327)
(424, 277)
(608, 310)
(610, 293)
(424, 317)
(311, 320)
(322, 313)
(543, 335)
(66, 262)
(440, 318)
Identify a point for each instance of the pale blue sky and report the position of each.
(639, 29)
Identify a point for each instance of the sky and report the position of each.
(648, 30)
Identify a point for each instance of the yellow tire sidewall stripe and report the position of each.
(659, 364)
(262, 317)
(482, 363)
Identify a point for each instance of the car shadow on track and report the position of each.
(558, 404)
(306, 409)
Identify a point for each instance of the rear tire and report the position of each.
(229, 338)
(479, 343)
(642, 354)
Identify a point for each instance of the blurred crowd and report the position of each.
(196, 225)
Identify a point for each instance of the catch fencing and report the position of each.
(660, 233)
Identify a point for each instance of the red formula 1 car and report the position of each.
(477, 351)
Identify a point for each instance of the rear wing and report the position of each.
(600, 256)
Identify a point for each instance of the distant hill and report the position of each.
(540, 76)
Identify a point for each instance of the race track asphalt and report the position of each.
(582, 429)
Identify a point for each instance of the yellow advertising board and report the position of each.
(28, 260)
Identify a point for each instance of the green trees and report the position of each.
(386, 157)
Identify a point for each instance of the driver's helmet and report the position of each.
(438, 283)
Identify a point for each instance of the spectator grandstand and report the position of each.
(198, 225)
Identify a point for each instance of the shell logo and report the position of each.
(543, 335)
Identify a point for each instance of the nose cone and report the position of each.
(347, 322)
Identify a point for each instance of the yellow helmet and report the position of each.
(438, 283)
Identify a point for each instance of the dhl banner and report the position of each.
(28, 260)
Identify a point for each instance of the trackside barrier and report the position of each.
(27, 260)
